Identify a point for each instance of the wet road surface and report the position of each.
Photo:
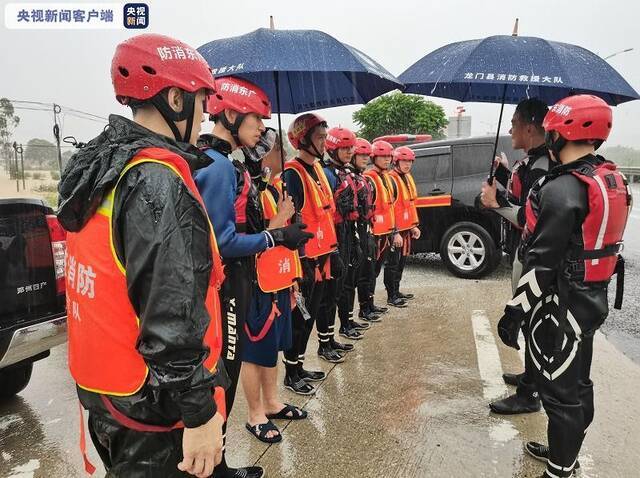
(410, 401)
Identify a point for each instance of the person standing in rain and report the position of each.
(238, 108)
(313, 198)
(144, 347)
(268, 327)
(575, 221)
(526, 134)
(407, 221)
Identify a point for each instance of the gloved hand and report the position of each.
(292, 237)
(337, 265)
(344, 202)
(508, 330)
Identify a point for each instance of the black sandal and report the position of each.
(296, 413)
(260, 432)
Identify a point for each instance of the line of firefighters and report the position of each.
(203, 267)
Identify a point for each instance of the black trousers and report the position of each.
(394, 265)
(366, 274)
(564, 382)
(235, 295)
(312, 290)
(384, 246)
(339, 294)
(131, 454)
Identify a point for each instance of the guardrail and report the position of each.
(631, 172)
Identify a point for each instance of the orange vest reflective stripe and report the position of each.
(102, 324)
(277, 268)
(404, 206)
(317, 210)
(383, 213)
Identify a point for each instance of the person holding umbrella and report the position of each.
(384, 222)
(575, 221)
(312, 196)
(526, 134)
(233, 204)
(406, 216)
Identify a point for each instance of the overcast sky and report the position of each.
(71, 68)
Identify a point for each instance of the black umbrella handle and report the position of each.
(492, 169)
(276, 80)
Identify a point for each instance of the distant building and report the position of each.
(459, 126)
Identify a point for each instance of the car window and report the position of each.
(471, 159)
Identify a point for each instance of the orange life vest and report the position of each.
(102, 324)
(277, 268)
(383, 213)
(317, 210)
(405, 211)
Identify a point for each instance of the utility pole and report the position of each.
(20, 151)
(56, 133)
(15, 154)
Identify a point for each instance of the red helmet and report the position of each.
(340, 138)
(236, 94)
(144, 65)
(580, 117)
(403, 153)
(381, 148)
(302, 125)
(363, 147)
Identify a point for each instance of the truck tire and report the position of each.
(468, 250)
(14, 380)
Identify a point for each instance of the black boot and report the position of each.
(311, 375)
(351, 333)
(396, 302)
(541, 452)
(359, 326)
(366, 313)
(331, 355)
(516, 404)
(512, 378)
(246, 472)
(378, 310)
(298, 385)
(340, 347)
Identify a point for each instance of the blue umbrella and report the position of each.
(300, 70)
(510, 68)
(507, 69)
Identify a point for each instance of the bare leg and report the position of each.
(251, 384)
(270, 399)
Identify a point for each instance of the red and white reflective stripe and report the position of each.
(605, 217)
(434, 201)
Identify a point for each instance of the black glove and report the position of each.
(344, 202)
(508, 330)
(337, 265)
(292, 237)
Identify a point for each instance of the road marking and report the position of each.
(489, 363)
(490, 367)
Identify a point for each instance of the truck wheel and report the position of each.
(14, 380)
(468, 250)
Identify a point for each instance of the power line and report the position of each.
(50, 106)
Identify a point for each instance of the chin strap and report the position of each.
(234, 127)
(172, 117)
(554, 146)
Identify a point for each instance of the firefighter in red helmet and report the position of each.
(575, 220)
(407, 222)
(145, 363)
